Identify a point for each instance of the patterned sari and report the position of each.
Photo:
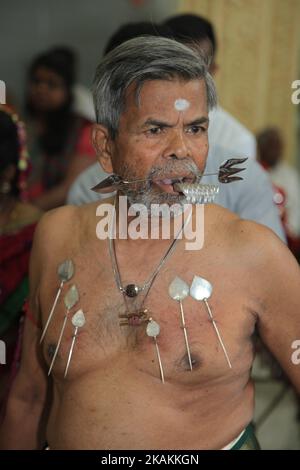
(15, 246)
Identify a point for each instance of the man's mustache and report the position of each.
(176, 169)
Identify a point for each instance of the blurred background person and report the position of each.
(82, 104)
(286, 182)
(59, 139)
(224, 129)
(17, 224)
(132, 30)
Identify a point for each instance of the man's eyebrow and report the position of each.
(158, 123)
(196, 122)
(155, 122)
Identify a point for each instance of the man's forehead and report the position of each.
(156, 94)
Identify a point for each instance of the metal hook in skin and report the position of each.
(225, 175)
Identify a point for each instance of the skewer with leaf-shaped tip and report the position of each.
(65, 273)
(153, 330)
(201, 289)
(70, 300)
(78, 321)
(179, 290)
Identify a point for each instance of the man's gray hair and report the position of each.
(139, 60)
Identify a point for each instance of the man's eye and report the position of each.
(154, 130)
(196, 129)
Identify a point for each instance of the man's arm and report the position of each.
(279, 320)
(23, 425)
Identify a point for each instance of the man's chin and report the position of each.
(163, 194)
(155, 198)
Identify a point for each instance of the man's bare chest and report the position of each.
(104, 335)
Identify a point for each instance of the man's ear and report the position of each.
(213, 68)
(102, 145)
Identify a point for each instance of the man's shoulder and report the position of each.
(60, 234)
(257, 243)
(57, 220)
(244, 234)
(219, 215)
(263, 255)
(63, 225)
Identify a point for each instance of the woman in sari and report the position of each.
(59, 140)
(17, 223)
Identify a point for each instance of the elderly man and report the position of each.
(137, 360)
(253, 197)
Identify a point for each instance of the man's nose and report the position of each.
(177, 146)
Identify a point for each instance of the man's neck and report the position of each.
(143, 228)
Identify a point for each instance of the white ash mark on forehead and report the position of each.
(181, 104)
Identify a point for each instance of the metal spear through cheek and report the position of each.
(225, 175)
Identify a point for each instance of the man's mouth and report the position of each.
(167, 184)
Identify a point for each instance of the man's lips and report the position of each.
(167, 184)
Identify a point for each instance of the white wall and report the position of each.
(27, 27)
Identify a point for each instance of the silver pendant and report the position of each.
(131, 290)
(136, 318)
(65, 272)
(179, 290)
(201, 289)
(153, 330)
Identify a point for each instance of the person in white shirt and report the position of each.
(230, 133)
(83, 102)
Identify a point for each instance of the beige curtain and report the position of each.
(258, 60)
